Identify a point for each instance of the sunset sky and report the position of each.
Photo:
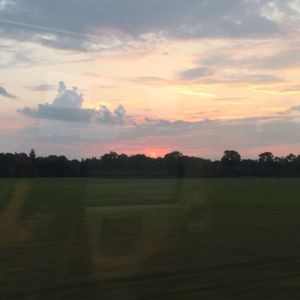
(84, 77)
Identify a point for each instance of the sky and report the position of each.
(82, 78)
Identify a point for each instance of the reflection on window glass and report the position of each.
(149, 149)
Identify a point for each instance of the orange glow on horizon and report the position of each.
(155, 152)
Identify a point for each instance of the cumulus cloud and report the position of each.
(67, 98)
(67, 106)
(105, 116)
(58, 24)
(5, 93)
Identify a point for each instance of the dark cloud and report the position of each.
(251, 132)
(283, 89)
(296, 108)
(67, 106)
(280, 60)
(5, 93)
(252, 78)
(47, 111)
(44, 87)
(195, 73)
(289, 58)
(149, 80)
(228, 67)
(58, 23)
(201, 75)
(105, 116)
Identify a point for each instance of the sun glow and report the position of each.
(156, 152)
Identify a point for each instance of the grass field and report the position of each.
(150, 239)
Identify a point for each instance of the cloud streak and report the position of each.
(196, 73)
(43, 87)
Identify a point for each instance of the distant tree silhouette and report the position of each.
(268, 166)
(231, 157)
(231, 163)
(173, 164)
(266, 157)
(32, 155)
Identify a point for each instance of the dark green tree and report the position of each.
(32, 154)
(231, 156)
(266, 157)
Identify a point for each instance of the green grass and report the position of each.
(150, 239)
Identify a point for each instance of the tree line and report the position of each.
(173, 164)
